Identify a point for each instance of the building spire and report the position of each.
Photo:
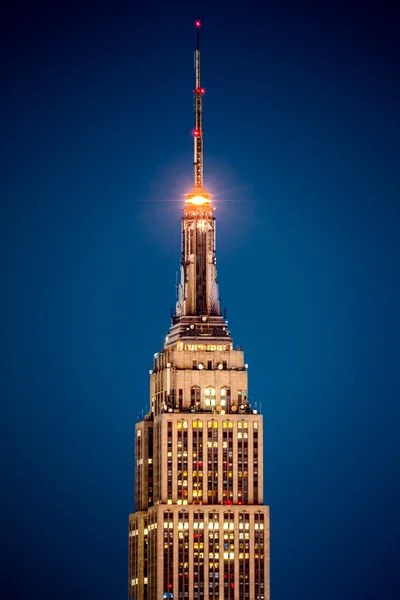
(198, 290)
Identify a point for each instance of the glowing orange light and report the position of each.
(198, 200)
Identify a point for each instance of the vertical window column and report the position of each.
(169, 462)
(179, 462)
(259, 556)
(145, 558)
(229, 556)
(245, 462)
(182, 461)
(227, 462)
(185, 462)
(197, 457)
(255, 463)
(198, 556)
(152, 556)
(157, 462)
(139, 470)
(168, 555)
(133, 568)
(183, 555)
(213, 554)
(244, 556)
(240, 461)
(150, 467)
(212, 462)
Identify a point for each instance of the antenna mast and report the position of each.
(198, 132)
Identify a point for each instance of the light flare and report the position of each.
(198, 200)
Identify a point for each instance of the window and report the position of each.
(225, 395)
(210, 399)
(194, 396)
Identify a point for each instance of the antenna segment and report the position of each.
(198, 132)
(198, 196)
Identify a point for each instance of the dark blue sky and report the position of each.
(302, 146)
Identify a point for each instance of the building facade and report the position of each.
(200, 530)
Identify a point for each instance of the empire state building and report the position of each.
(200, 530)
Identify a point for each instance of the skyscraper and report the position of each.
(200, 530)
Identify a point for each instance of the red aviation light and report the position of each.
(197, 23)
(197, 133)
(200, 91)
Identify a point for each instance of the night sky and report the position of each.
(302, 147)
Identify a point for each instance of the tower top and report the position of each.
(197, 313)
(199, 195)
